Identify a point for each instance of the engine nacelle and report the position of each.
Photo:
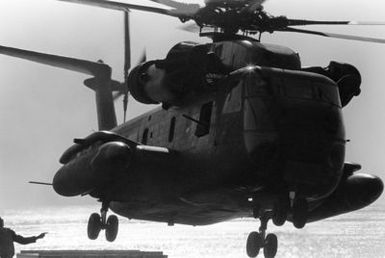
(92, 162)
(149, 91)
(101, 159)
(92, 168)
(171, 80)
(192, 70)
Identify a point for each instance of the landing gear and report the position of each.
(112, 227)
(280, 211)
(97, 222)
(258, 240)
(271, 246)
(300, 213)
(254, 244)
(94, 226)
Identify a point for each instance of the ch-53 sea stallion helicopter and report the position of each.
(243, 131)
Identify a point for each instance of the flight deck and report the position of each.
(89, 254)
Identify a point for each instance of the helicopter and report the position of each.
(265, 140)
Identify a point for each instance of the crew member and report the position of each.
(8, 236)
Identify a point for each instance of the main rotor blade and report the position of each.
(366, 23)
(335, 35)
(295, 22)
(73, 64)
(125, 7)
(182, 8)
(190, 27)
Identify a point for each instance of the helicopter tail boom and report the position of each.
(100, 71)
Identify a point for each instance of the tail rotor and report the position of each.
(127, 61)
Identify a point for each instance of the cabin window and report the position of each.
(172, 129)
(145, 136)
(203, 127)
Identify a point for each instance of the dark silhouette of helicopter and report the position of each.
(243, 131)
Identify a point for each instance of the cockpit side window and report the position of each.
(315, 91)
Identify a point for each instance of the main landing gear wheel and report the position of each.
(112, 227)
(97, 222)
(280, 212)
(94, 226)
(300, 213)
(257, 240)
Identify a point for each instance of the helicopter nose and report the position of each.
(294, 132)
(313, 168)
(313, 147)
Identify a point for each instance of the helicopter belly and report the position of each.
(202, 208)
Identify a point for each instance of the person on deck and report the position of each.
(8, 236)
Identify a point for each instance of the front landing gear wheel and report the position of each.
(254, 244)
(271, 246)
(94, 226)
(112, 227)
(258, 240)
(98, 222)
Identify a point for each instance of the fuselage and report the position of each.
(268, 129)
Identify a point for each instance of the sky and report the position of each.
(43, 108)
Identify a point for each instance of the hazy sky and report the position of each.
(42, 108)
